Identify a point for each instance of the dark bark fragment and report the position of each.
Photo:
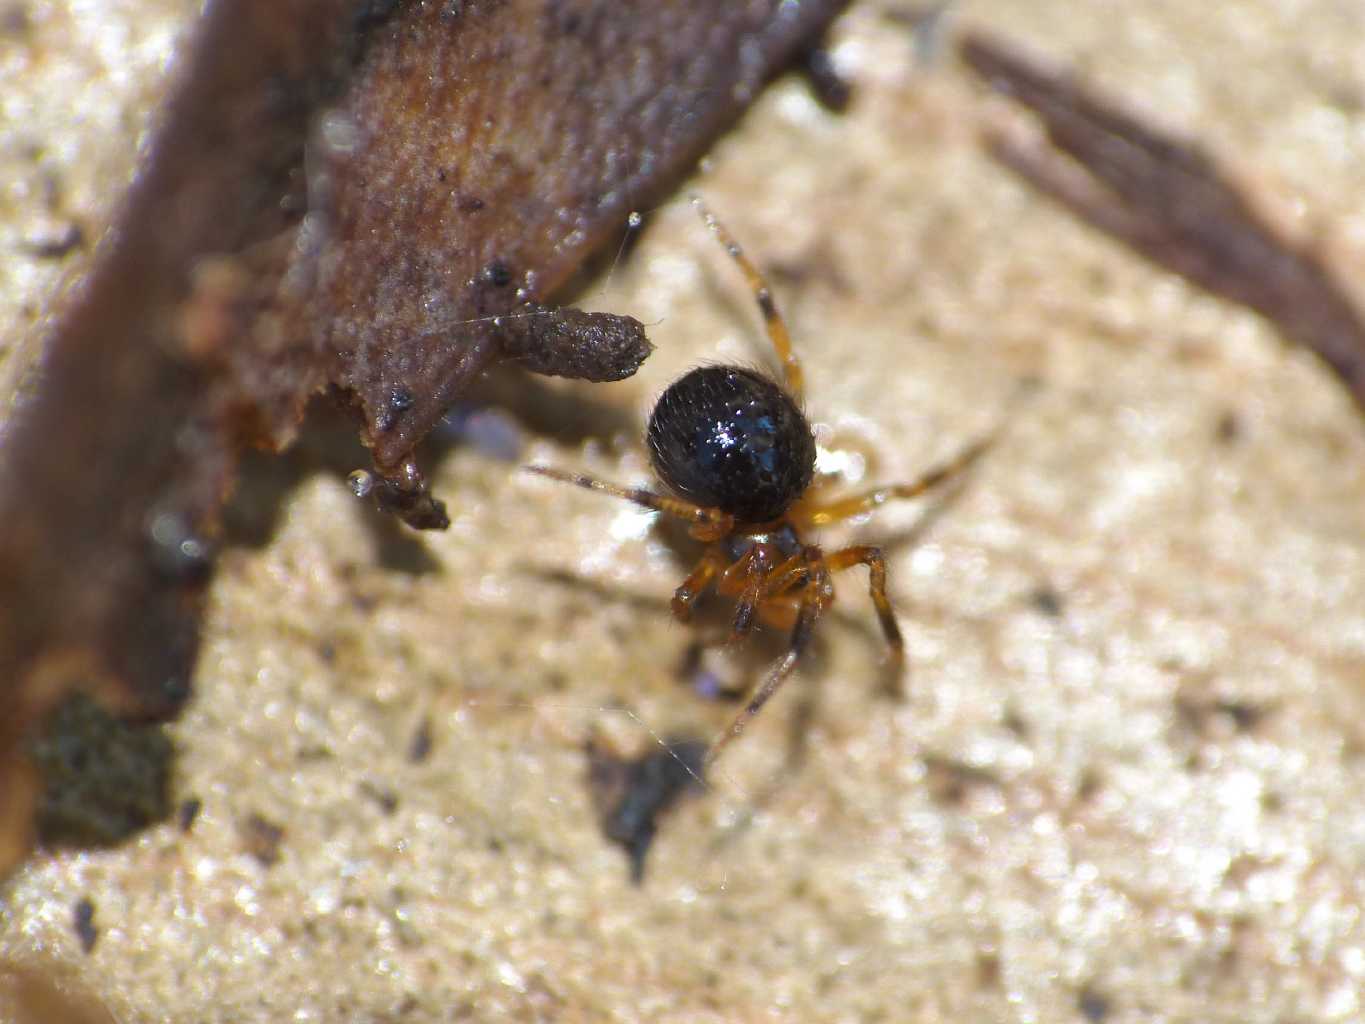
(83, 922)
(261, 838)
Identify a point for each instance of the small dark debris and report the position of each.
(262, 839)
(1092, 782)
(1229, 429)
(54, 242)
(1047, 601)
(189, 811)
(1245, 717)
(103, 778)
(1211, 718)
(385, 797)
(83, 919)
(1016, 723)
(632, 794)
(988, 972)
(14, 19)
(419, 747)
(1094, 1005)
(951, 781)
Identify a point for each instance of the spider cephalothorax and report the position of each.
(737, 453)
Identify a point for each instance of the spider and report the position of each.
(737, 452)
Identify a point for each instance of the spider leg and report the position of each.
(795, 571)
(706, 523)
(823, 515)
(749, 576)
(691, 589)
(876, 585)
(772, 319)
(811, 607)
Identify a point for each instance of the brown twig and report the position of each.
(1165, 198)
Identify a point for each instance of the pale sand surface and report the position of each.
(1146, 807)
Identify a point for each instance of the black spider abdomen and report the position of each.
(730, 438)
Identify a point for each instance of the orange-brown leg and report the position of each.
(771, 600)
(706, 523)
(772, 319)
(795, 571)
(876, 585)
(811, 607)
(748, 576)
(823, 515)
(712, 561)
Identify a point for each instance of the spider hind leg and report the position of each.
(777, 599)
(813, 514)
(876, 585)
(780, 672)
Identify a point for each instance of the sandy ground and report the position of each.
(1127, 781)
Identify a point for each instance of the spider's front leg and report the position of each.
(704, 523)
